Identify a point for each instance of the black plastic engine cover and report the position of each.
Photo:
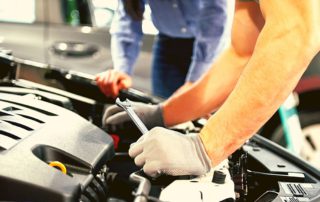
(34, 133)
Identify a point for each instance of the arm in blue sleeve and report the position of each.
(211, 35)
(126, 36)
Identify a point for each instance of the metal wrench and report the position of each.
(126, 105)
(144, 183)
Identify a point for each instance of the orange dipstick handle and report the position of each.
(58, 165)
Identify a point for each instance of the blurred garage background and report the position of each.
(69, 34)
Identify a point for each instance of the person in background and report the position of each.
(191, 35)
(273, 41)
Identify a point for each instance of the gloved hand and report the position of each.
(115, 118)
(111, 82)
(169, 152)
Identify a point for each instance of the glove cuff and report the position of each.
(201, 152)
(156, 118)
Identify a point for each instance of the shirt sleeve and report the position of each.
(126, 37)
(210, 37)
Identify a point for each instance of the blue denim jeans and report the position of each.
(171, 61)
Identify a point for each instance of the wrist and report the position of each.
(123, 65)
(158, 114)
(152, 116)
(170, 114)
(212, 146)
(201, 151)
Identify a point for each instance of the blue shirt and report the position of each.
(204, 20)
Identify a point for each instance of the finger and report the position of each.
(111, 78)
(97, 77)
(152, 168)
(140, 159)
(118, 118)
(135, 149)
(115, 86)
(98, 80)
(125, 81)
(113, 109)
(106, 84)
(111, 82)
(141, 138)
(101, 74)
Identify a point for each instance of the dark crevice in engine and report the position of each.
(30, 107)
(106, 186)
(10, 109)
(31, 118)
(2, 113)
(9, 135)
(19, 125)
(90, 194)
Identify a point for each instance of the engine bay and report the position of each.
(54, 148)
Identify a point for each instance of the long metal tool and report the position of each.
(126, 105)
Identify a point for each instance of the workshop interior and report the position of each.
(54, 146)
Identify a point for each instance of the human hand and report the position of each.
(115, 118)
(169, 152)
(111, 82)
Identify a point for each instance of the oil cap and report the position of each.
(218, 177)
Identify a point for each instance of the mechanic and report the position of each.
(273, 42)
(191, 35)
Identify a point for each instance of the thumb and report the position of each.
(125, 82)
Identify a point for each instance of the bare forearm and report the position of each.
(269, 77)
(207, 94)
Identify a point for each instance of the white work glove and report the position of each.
(163, 151)
(116, 118)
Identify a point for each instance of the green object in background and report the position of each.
(72, 12)
(291, 125)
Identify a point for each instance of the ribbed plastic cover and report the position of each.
(34, 133)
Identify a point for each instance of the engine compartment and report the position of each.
(41, 125)
(35, 133)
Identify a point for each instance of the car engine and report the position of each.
(53, 148)
(33, 134)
